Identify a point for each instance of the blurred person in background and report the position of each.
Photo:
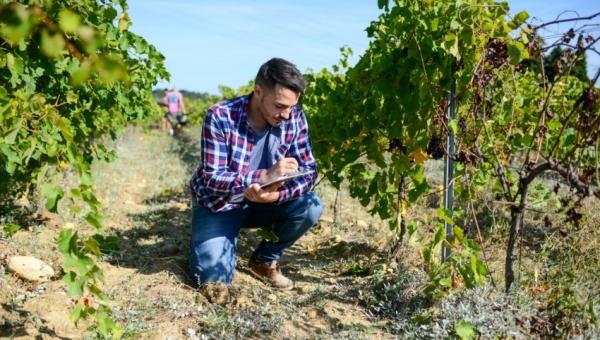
(176, 110)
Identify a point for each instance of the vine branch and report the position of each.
(559, 21)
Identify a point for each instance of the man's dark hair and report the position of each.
(282, 72)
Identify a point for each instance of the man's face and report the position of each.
(275, 106)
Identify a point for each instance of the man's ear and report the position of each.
(258, 91)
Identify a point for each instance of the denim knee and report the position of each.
(213, 245)
(213, 260)
(310, 205)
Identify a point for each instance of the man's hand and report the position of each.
(255, 193)
(285, 166)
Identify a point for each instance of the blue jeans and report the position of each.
(215, 235)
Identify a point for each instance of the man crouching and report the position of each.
(246, 142)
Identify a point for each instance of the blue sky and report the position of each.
(224, 42)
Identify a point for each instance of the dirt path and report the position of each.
(147, 207)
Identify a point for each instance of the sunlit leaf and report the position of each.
(465, 331)
(68, 20)
(419, 156)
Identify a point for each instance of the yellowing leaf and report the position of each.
(419, 156)
(123, 22)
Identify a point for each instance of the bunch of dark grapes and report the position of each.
(434, 148)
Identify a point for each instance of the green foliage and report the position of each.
(82, 274)
(53, 102)
(463, 268)
(268, 233)
(196, 108)
(106, 244)
(465, 331)
(228, 93)
(372, 123)
(9, 230)
(70, 71)
(357, 270)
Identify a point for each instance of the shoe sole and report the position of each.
(270, 285)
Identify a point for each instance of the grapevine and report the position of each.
(378, 122)
(69, 75)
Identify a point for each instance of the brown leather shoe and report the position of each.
(270, 273)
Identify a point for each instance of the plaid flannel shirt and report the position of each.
(226, 144)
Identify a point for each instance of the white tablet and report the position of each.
(240, 197)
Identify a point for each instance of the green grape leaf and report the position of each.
(53, 193)
(92, 245)
(81, 262)
(67, 242)
(81, 74)
(465, 331)
(519, 19)
(10, 137)
(95, 220)
(445, 215)
(75, 285)
(420, 189)
(75, 209)
(445, 282)
(107, 244)
(106, 325)
(383, 3)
